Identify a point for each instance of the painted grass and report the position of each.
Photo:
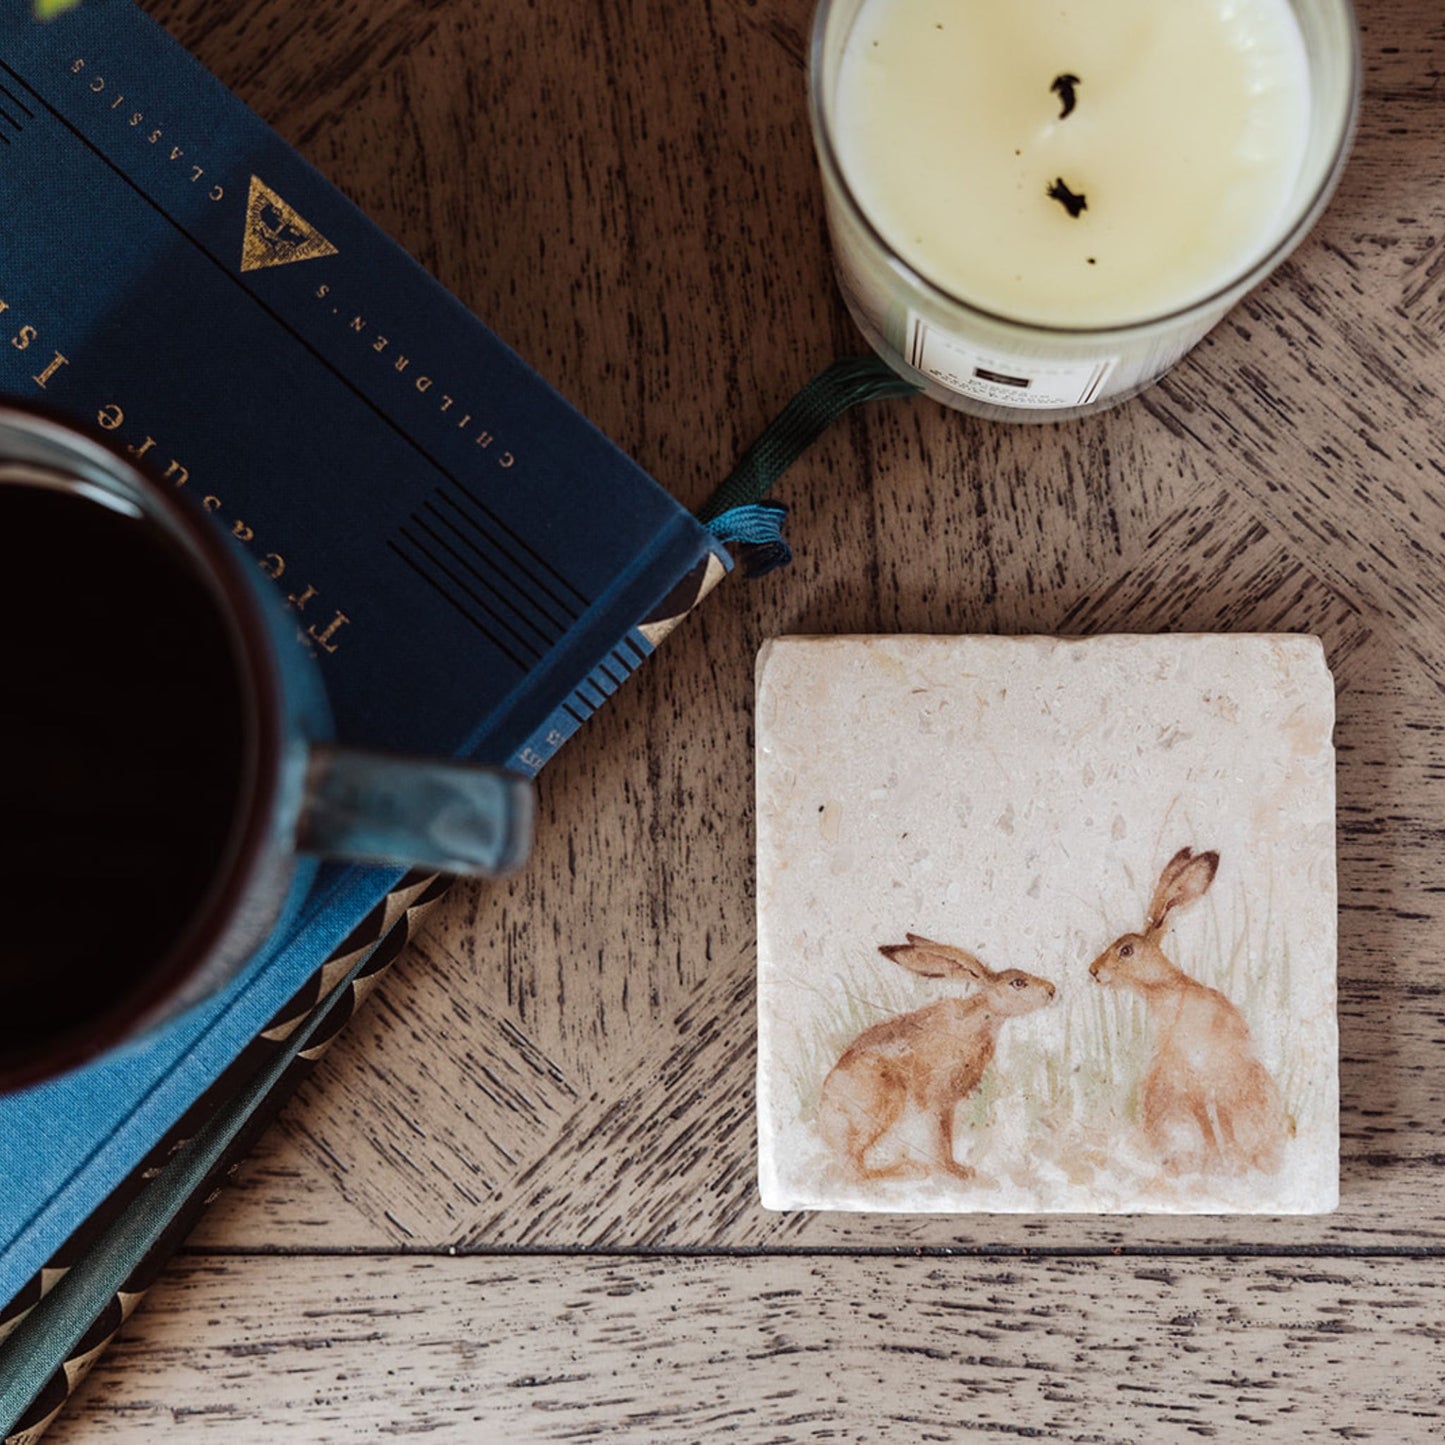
(1067, 1079)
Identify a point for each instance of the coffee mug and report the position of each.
(168, 777)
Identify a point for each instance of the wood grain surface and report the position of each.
(517, 1200)
(791, 1348)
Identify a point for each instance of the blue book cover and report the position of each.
(474, 565)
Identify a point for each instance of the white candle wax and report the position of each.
(1040, 205)
(1185, 130)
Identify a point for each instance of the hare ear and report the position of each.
(935, 960)
(1173, 868)
(1186, 877)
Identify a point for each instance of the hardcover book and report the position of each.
(474, 565)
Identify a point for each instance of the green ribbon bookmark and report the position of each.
(736, 511)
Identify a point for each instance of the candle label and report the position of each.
(1002, 378)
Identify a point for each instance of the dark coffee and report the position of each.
(122, 763)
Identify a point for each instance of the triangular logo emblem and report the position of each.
(275, 233)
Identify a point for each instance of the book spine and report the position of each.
(622, 630)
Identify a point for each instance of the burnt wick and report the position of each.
(1063, 87)
(1074, 205)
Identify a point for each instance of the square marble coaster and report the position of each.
(1047, 925)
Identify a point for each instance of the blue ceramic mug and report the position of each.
(168, 777)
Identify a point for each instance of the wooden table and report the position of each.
(517, 1201)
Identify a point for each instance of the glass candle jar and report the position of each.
(1037, 208)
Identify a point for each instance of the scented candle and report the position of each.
(1038, 205)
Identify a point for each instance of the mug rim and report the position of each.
(220, 568)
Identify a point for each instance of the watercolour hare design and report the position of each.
(934, 1057)
(1207, 1102)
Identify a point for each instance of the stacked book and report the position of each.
(474, 566)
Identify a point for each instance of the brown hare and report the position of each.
(933, 1057)
(1207, 1103)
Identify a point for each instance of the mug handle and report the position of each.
(453, 817)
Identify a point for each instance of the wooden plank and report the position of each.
(1103, 1350)
(452, 1100)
